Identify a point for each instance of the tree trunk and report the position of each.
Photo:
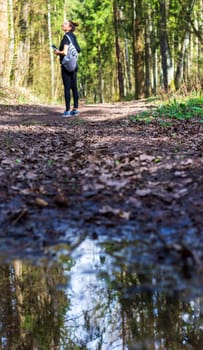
(166, 60)
(147, 55)
(22, 45)
(153, 51)
(11, 40)
(50, 48)
(128, 67)
(200, 48)
(4, 43)
(18, 270)
(100, 80)
(184, 44)
(99, 67)
(138, 36)
(118, 52)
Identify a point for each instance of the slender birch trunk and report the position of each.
(11, 38)
(4, 64)
(100, 72)
(147, 54)
(50, 48)
(128, 67)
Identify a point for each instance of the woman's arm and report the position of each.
(63, 52)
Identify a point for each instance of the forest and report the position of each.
(101, 225)
(130, 49)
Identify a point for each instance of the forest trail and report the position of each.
(101, 175)
(89, 112)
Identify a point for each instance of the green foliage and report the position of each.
(145, 117)
(180, 110)
(98, 62)
(193, 108)
(95, 18)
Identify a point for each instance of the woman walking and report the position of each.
(69, 78)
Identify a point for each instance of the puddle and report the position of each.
(88, 299)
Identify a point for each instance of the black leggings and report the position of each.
(70, 83)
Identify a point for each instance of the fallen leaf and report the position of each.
(61, 200)
(41, 202)
(144, 192)
(117, 212)
(31, 175)
(146, 157)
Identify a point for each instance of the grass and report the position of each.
(182, 109)
(14, 96)
(193, 108)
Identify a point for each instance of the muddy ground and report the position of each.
(101, 175)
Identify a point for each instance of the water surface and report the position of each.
(97, 298)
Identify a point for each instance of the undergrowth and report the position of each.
(13, 96)
(174, 109)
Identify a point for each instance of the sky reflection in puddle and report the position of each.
(84, 301)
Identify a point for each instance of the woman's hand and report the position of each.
(56, 52)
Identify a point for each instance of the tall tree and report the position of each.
(147, 51)
(11, 51)
(138, 47)
(186, 14)
(50, 49)
(118, 50)
(166, 59)
(4, 39)
(22, 43)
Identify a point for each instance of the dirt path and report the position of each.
(50, 114)
(101, 175)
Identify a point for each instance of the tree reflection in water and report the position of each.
(31, 308)
(84, 303)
